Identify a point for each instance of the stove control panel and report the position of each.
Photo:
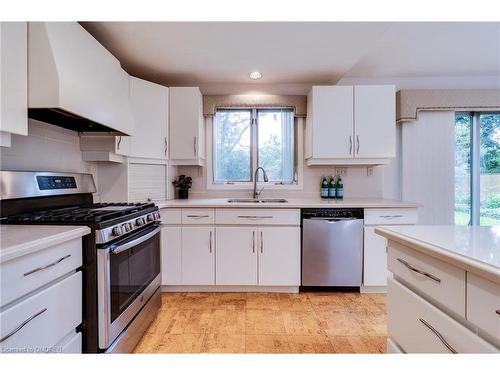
(55, 182)
(121, 229)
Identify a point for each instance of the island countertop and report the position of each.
(20, 240)
(473, 248)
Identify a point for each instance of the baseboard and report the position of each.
(373, 289)
(229, 288)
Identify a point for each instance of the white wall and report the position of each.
(428, 160)
(46, 148)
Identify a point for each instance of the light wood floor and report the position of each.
(268, 323)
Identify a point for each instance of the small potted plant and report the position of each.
(182, 185)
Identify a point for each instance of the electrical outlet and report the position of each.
(369, 171)
(341, 171)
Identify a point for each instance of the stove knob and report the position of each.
(139, 222)
(117, 231)
(129, 226)
(150, 217)
(157, 215)
(125, 228)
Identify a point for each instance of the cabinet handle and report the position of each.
(197, 216)
(357, 148)
(498, 311)
(47, 266)
(119, 142)
(261, 243)
(390, 216)
(22, 325)
(416, 270)
(210, 242)
(166, 146)
(253, 242)
(350, 145)
(439, 336)
(195, 146)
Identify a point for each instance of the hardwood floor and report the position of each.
(268, 323)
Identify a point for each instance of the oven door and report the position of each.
(128, 274)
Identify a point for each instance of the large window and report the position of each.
(244, 139)
(477, 169)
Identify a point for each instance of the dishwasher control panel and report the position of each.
(333, 213)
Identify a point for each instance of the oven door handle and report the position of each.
(135, 242)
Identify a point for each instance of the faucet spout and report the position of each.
(255, 177)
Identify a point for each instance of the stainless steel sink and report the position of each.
(261, 200)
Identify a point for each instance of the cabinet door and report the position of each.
(185, 123)
(198, 256)
(236, 256)
(375, 259)
(149, 103)
(332, 122)
(14, 77)
(279, 256)
(375, 121)
(171, 256)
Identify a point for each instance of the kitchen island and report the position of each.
(444, 293)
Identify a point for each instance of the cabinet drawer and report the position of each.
(419, 327)
(391, 216)
(231, 216)
(25, 274)
(438, 280)
(171, 215)
(45, 318)
(483, 304)
(198, 216)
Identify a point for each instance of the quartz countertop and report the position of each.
(20, 240)
(473, 248)
(292, 203)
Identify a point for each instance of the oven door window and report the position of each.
(131, 271)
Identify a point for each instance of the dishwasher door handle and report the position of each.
(333, 220)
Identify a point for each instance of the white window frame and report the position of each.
(248, 185)
(475, 167)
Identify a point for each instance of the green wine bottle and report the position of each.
(340, 188)
(324, 188)
(332, 188)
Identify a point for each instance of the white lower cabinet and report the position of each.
(198, 255)
(279, 256)
(420, 327)
(171, 255)
(236, 256)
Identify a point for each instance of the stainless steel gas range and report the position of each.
(121, 255)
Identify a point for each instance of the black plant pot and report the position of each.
(183, 193)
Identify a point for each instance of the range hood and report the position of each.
(74, 82)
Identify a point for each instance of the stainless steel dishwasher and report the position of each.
(332, 247)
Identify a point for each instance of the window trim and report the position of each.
(475, 163)
(248, 185)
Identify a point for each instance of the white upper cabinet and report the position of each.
(149, 103)
(187, 143)
(350, 125)
(331, 121)
(375, 121)
(71, 72)
(13, 80)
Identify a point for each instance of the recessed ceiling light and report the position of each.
(255, 75)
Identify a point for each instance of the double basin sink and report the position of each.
(257, 200)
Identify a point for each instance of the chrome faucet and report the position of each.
(255, 176)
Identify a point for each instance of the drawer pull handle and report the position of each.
(411, 268)
(22, 325)
(197, 216)
(254, 217)
(390, 216)
(439, 336)
(498, 311)
(47, 266)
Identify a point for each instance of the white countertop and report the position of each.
(473, 248)
(292, 203)
(19, 240)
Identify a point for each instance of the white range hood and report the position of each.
(74, 82)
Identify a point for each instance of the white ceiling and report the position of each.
(219, 56)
